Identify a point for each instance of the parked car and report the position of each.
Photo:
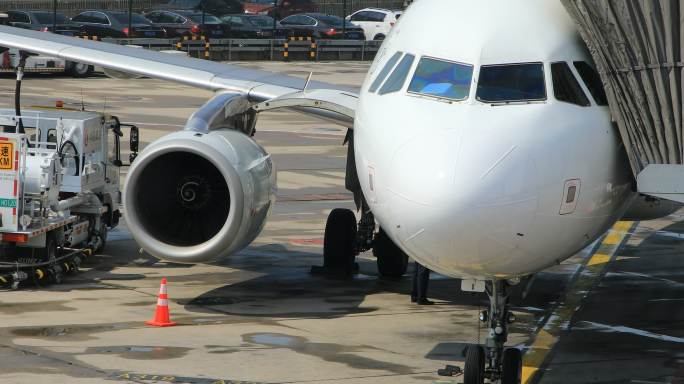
(321, 26)
(247, 26)
(280, 8)
(376, 22)
(215, 7)
(43, 21)
(115, 24)
(189, 23)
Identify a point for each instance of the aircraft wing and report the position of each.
(258, 86)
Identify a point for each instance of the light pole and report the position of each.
(130, 18)
(275, 22)
(54, 16)
(344, 18)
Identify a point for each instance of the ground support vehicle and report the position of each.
(59, 190)
(9, 59)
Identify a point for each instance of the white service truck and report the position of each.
(59, 190)
(9, 59)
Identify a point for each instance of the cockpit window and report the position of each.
(397, 79)
(441, 78)
(384, 72)
(511, 83)
(565, 86)
(592, 81)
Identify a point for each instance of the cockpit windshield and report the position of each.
(441, 78)
(511, 83)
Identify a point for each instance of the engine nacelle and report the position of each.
(646, 207)
(192, 197)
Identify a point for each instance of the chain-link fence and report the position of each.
(71, 7)
(337, 7)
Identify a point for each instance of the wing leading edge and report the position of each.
(258, 86)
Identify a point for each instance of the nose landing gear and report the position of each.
(493, 361)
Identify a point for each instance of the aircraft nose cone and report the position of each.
(461, 201)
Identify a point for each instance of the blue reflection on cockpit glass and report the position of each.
(511, 83)
(441, 78)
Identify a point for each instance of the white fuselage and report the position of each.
(477, 189)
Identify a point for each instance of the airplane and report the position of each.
(480, 145)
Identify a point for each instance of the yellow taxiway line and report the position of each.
(548, 335)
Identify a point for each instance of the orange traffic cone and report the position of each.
(161, 315)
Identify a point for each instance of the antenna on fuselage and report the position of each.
(308, 80)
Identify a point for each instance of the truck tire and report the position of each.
(79, 70)
(49, 253)
(102, 234)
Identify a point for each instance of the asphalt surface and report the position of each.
(261, 317)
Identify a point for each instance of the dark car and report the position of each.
(43, 21)
(321, 26)
(215, 7)
(280, 8)
(115, 24)
(246, 26)
(189, 23)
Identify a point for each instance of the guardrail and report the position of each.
(262, 49)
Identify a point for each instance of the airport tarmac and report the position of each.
(611, 314)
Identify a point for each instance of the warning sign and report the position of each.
(6, 155)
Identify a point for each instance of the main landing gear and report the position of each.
(345, 239)
(492, 361)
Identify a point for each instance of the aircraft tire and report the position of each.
(473, 372)
(338, 242)
(391, 260)
(512, 366)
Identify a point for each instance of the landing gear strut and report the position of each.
(345, 239)
(492, 361)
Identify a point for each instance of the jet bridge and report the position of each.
(638, 48)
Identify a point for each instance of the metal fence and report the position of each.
(262, 49)
(337, 7)
(71, 7)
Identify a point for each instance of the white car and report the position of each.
(376, 22)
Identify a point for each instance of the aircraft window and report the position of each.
(565, 86)
(442, 79)
(397, 79)
(511, 83)
(384, 72)
(592, 81)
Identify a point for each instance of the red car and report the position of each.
(279, 8)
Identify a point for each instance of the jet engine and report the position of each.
(196, 197)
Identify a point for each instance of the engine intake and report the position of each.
(193, 197)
